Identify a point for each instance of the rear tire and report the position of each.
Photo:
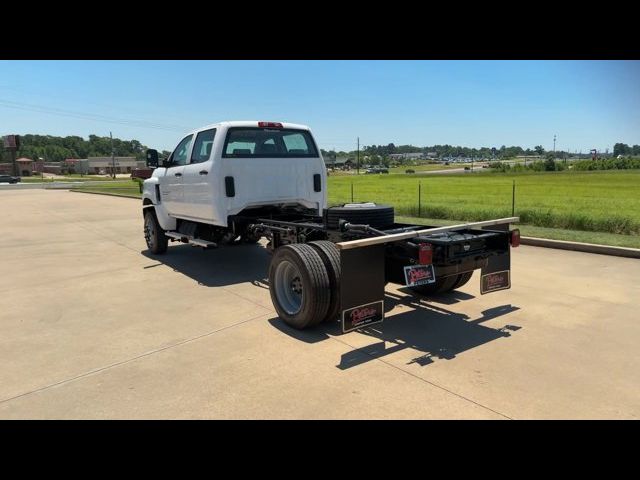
(444, 284)
(331, 258)
(441, 285)
(299, 285)
(157, 241)
(463, 278)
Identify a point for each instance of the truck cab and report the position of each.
(229, 168)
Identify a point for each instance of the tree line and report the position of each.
(440, 151)
(55, 149)
(624, 149)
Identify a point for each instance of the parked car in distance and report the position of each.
(377, 170)
(9, 179)
(142, 173)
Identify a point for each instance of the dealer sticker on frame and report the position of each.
(419, 275)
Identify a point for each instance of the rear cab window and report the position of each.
(259, 142)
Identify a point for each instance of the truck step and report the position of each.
(191, 240)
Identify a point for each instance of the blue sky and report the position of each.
(588, 104)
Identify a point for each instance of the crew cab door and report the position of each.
(197, 178)
(171, 184)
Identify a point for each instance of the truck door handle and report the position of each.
(178, 174)
(203, 172)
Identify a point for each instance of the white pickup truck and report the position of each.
(237, 182)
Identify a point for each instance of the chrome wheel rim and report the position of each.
(149, 230)
(288, 287)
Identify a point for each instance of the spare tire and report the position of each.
(374, 215)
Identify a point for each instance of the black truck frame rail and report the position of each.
(402, 253)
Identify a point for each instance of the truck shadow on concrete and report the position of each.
(448, 298)
(221, 267)
(419, 325)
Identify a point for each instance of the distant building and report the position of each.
(100, 165)
(339, 162)
(52, 167)
(25, 166)
(76, 165)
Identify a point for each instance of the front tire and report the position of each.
(157, 241)
(299, 285)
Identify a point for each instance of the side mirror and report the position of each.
(152, 158)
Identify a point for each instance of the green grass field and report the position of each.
(599, 201)
(592, 207)
(128, 188)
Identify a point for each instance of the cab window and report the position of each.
(180, 154)
(268, 142)
(202, 146)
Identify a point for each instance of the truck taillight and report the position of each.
(269, 125)
(515, 238)
(425, 254)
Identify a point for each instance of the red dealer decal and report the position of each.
(362, 315)
(418, 275)
(495, 281)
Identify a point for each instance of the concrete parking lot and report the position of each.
(91, 326)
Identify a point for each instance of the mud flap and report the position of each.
(496, 275)
(362, 282)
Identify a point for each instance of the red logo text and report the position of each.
(417, 274)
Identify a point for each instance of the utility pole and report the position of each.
(358, 158)
(113, 158)
(554, 144)
(12, 144)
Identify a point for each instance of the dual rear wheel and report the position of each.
(304, 283)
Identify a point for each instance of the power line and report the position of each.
(91, 116)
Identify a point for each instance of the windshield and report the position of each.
(267, 142)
